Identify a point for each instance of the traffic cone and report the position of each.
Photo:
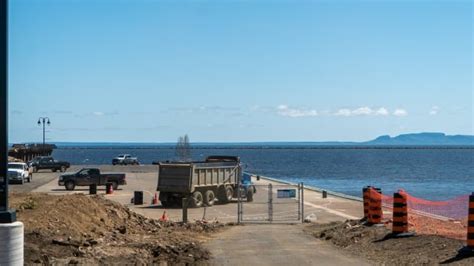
(164, 217)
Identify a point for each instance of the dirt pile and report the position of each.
(91, 229)
(375, 244)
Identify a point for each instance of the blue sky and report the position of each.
(222, 71)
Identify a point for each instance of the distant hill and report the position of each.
(417, 139)
(423, 139)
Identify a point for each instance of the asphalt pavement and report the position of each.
(274, 244)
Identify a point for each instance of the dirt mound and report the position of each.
(91, 229)
(376, 244)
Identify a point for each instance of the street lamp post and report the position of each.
(44, 121)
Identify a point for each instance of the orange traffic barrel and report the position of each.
(366, 198)
(375, 205)
(468, 250)
(470, 224)
(400, 213)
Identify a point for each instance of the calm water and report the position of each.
(436, 174)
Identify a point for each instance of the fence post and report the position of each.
(239, 205)
(299, 201)
(302, 202)
(400, 213)
(185, 210)
(270, 203)
(375, 205)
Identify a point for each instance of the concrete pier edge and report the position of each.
(316, 189)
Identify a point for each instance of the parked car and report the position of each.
(47, 162)
(90, 176)
(125, 159)
(19, 173)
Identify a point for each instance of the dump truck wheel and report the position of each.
(209, 198)
(197, 199)
(229, 193)
(250, 195)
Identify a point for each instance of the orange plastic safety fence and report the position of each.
(456, 209)
(447, 218)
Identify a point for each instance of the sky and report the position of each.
(239, 71)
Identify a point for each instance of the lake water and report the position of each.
(435, 174)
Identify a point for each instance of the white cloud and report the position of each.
(400, 112)
(284, 110)
(365, 110)
(434, 110)
(343, 112)
(362, 111)
(98, 113)
(382, 111)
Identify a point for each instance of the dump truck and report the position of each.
(202, 183)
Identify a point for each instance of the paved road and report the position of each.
(39, 179)
(274, 245)
(46, 176)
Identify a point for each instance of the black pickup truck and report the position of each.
(46, 162)
(89, 176)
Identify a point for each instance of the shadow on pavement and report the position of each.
(80, 190)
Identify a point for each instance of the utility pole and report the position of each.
(6, 215)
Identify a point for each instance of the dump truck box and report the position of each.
(216, 178)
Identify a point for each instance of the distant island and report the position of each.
(425, 139)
